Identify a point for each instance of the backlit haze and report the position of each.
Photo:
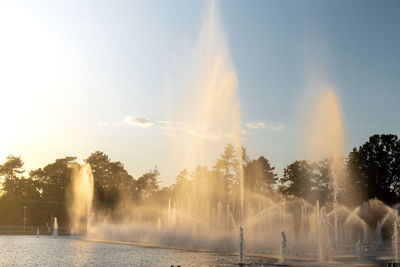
(115, 76)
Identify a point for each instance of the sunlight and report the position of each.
(199, 133)
(31, 56)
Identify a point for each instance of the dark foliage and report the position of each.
(373, 172)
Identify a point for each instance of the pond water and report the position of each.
(66, 251)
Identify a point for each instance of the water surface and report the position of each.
(66, 251)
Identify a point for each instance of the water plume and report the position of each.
(198, 212)
(327, 135)
(210, 114)
(80, 198)
(55, 227)
(326, 138)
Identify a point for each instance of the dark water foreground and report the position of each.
(66, 251)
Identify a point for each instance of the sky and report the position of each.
(81, 76)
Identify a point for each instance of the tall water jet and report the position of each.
(241, 245)
(379, 239)
(326, 138)
(81, 197)
(318, 232)
(283, 252)
(169, 212)
(210, 116)
(395, 237)
(365, 236)
(55, 227)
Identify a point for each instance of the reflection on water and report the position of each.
(47, 251)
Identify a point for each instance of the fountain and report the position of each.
(395, 238)
(365, 236)
(358, 249)
(55, 228)
(241, 244)
(283, 259)
(204, 216)
(379, 239)
(80, 198)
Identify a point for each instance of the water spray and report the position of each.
(241, 246)
(379, 239)
(284, 245)
(55, 228)
(395, 240)
(358, 248)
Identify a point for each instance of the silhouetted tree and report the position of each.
(373, 172)
(54, 179)
(245, 157)
(203, 182)
(297, 179)
(147, 185)
(259, 176)
(375, 168)
(111, 180)
(183, 186)
(228, 165)
(29, 189)
(182, 179)
(14, 185)
(226, 171)
(321, 182)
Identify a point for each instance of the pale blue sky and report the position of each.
(75, 69)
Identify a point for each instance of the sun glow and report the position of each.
(31, 61)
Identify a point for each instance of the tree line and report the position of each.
(373, 171)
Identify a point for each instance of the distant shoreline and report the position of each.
(30, 230)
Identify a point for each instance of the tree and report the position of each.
(227, 169)
(147, 184)
(321, 182)
(228, 165)
(111, 180)
(182, 179)
(259, 176)
(245, 157)
(29, 189)
(183, 186)
(202, 182)
(297, 179)
(309, 181)
(54, 179)
(375, 168)
(10, 172)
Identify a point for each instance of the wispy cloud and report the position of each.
(164, 122)
(110, 124)
(170, 128)
(256, 125)
(181, 127)
(135, 121)
(267, 126)
(201, 133)
(128, 120)
(278, 127)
